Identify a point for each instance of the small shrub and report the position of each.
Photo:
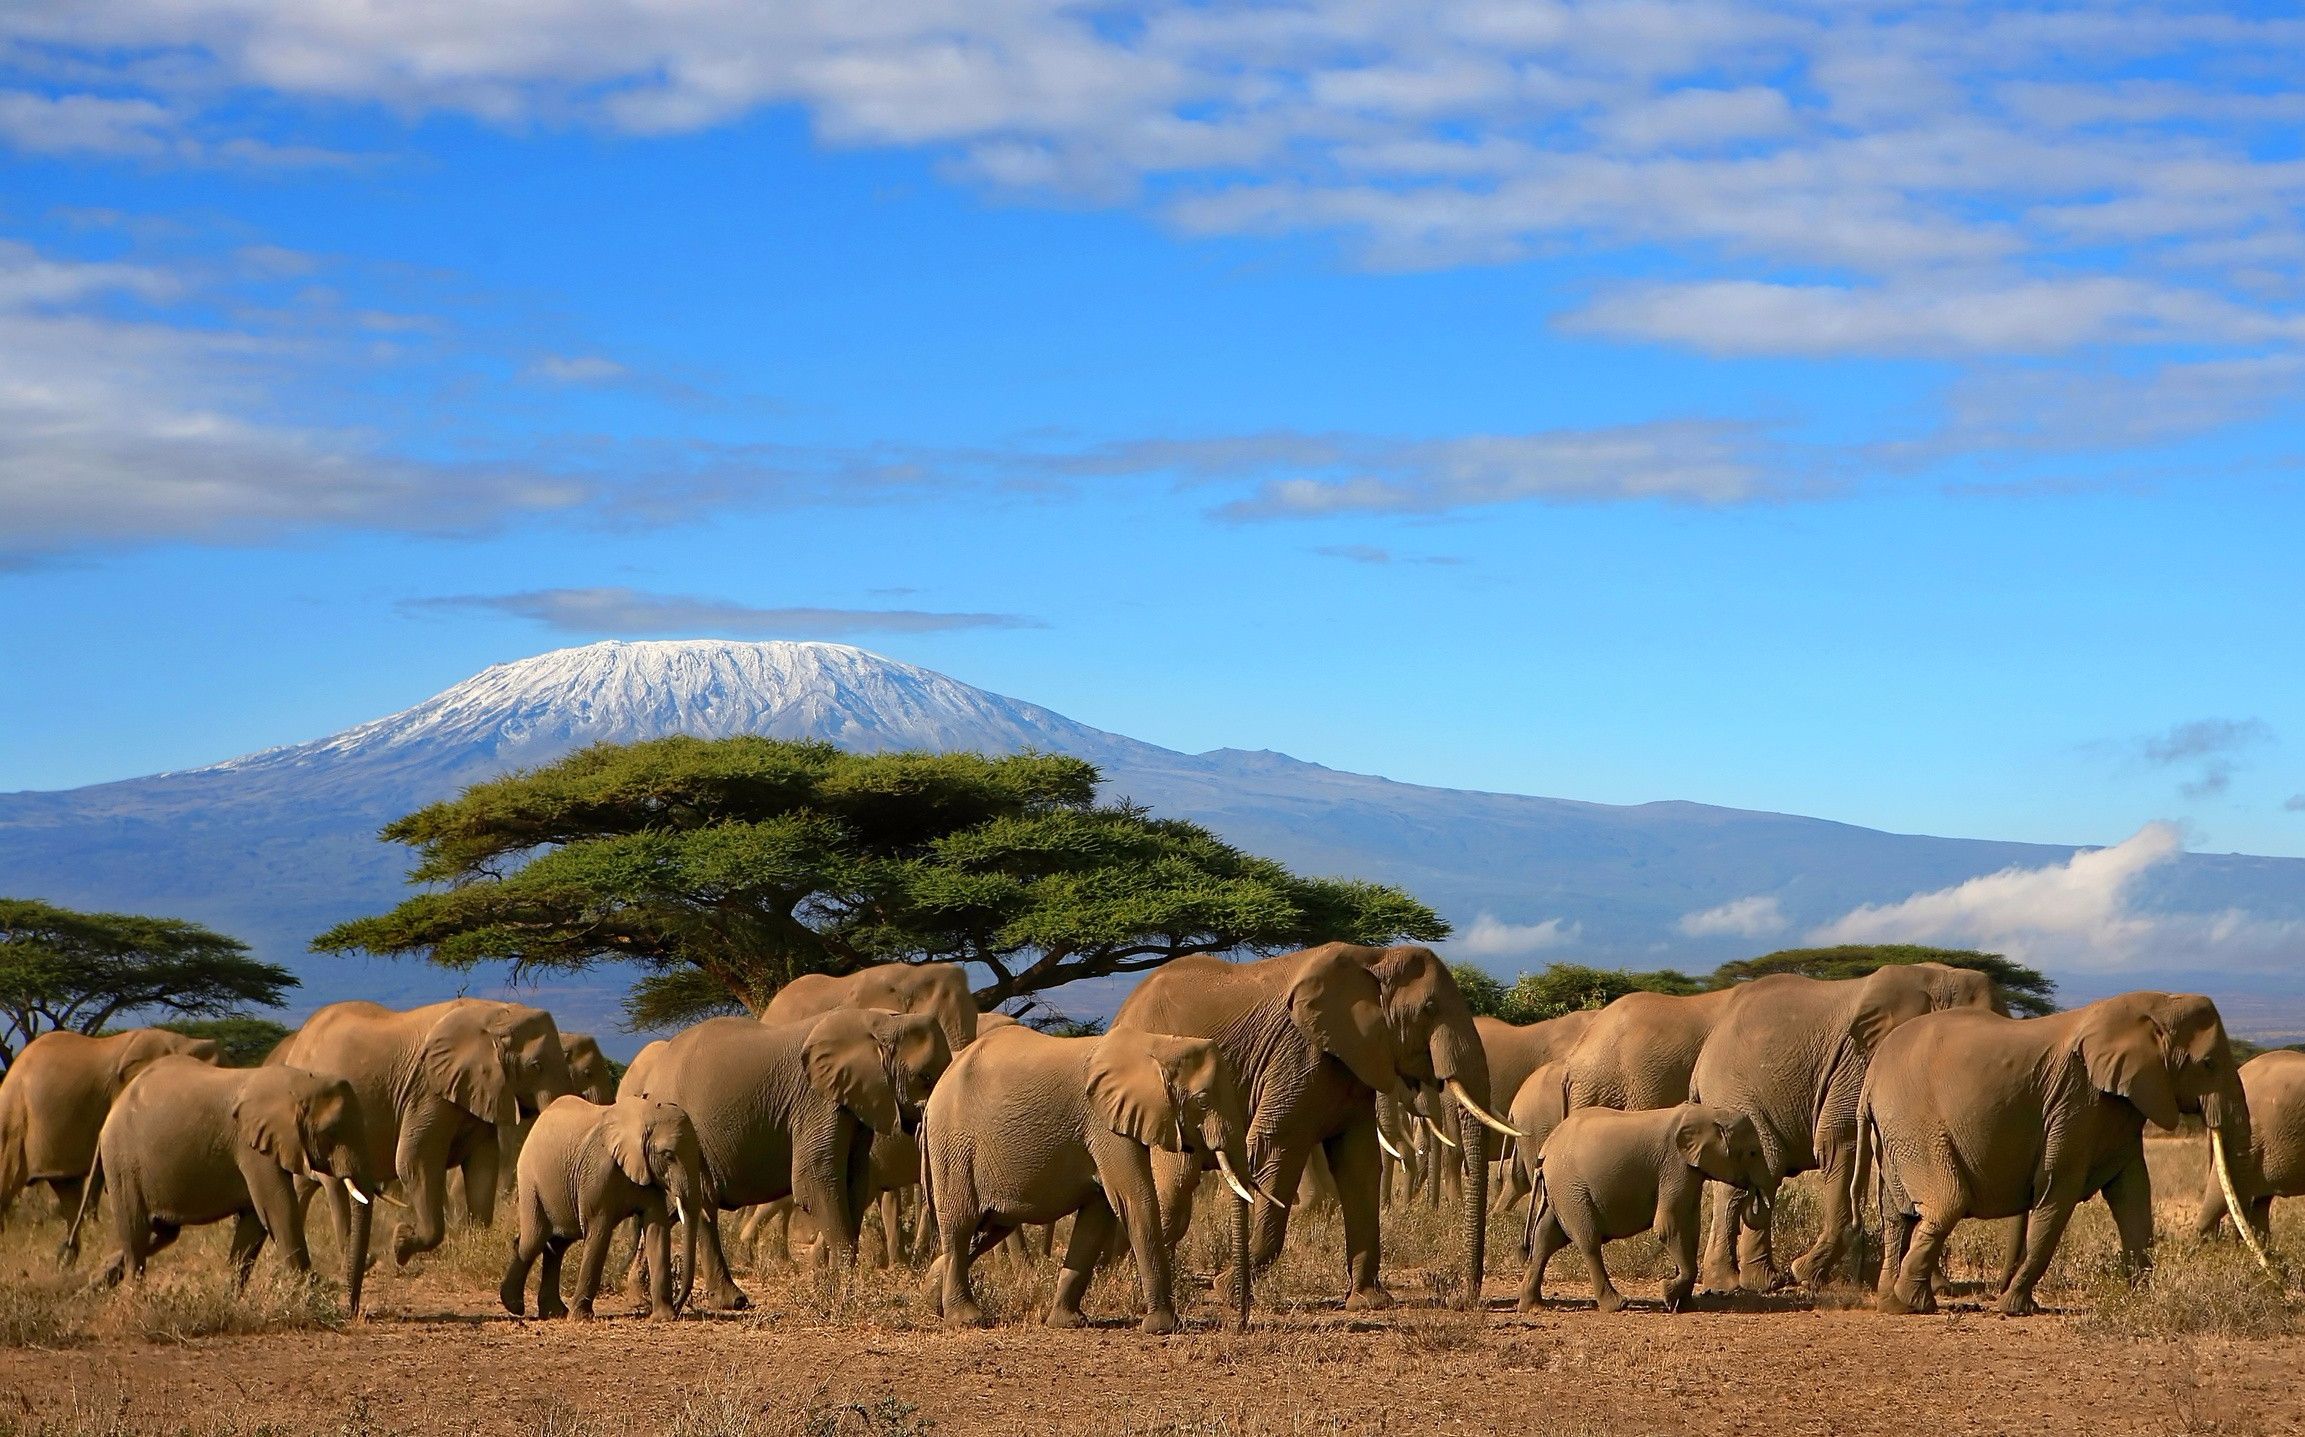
(43, 1309)
(178, 1306)
(2205, 1291)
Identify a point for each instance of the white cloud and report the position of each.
(632, 613)
(576, 369)
(1491, 937)
(2080, 914)
(1754, 917)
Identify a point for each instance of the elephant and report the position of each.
(1606, 1174)
(895, 1166)
(785, 1110)
(589, 1071)
(1315, 1036)
(586, 1168)
(1537, 1109)
(188, 1144)
(1029, 1128)
(1516, 1050)
(1971, 1114)
(53, 1099)
(935, 990)
(1790, 1052)
(2273, 1165)
(435, 1083)
(1639, 1051)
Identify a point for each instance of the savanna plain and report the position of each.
(2207, 1344)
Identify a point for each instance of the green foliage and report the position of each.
(79, 971)
(1484, 993)
(242, 1040)
(727, 868)
(1568, 987)
(2026, 992)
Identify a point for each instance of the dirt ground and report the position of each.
(827, 1354)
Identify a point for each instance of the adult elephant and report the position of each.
(1516, 1050)
(2273, 1163)
(1977, 1115)
(434, 1084)
(588, 1068)
(54, 1098)
(787, 1110)
(934, 990)
(1315, 1036)
(1790, 1052)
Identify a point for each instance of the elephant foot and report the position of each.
(665, 1313)
(1159, 1323)
(1811, 1275)
(1530, 1302)
(582, 1312)
(1372, 1298)
(513, 1298)
(1720, 1280)
(1901, 1299)
(1065, 1317)
(1677, 1296)
(1764, 1279)
(730, 1298)
(964, 1313)
(1609, 1301)
(2016, 1304)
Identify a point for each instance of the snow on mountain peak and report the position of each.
(530, 710)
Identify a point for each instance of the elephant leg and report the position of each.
(549, 1302)
(480, 1179)
(891, 1232)
(1678, 1232)
(1127, 1175)
(527, 1246)
(712, 1267)
(1756, 1245)
(422, 1164)
(2261, 1217)
(960, 1226)
(1352, 1156)
(1837, 1225)
(598, 1235)
(2044, 1227)
(825, 1197)
(660, 1306)
(2130, 1199)
(1512, 1183)
(1092, 1232)
(2212, 1210)
(2012, 1251)
(1722, 1215)
(1585, 1234)
(1909, 1289)
(247, 1241)
(1546, 1238)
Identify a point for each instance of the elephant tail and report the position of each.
(1538, 1202)
(1869, 1161)
(928, 1229)
(90, 1192)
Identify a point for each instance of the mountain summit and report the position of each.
(533, 710)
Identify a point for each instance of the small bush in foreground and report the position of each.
(2205, 1291)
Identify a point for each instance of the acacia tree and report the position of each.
(729, 867)
(79, 971)
(2025, 991)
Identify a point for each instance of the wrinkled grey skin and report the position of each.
(787, 1110)
(434, 1083)
(54, 1098)
(1790, 1052)
(2273, 1085)
(1606, 1175)
(1516, 1050)
(189, 1144)
(1315, 1036)
(587, 1168)
(1979, 1116)
(1028, 1128)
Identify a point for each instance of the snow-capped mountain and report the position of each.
(277, 845)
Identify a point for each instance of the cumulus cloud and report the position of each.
(633, 613)
(2080, 914)
(1491, 937)
(1754, 917)
(1990, 178)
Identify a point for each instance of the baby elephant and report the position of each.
(1026, 1128)
(586, 1168)
(1605, 1174)
(188, 1143)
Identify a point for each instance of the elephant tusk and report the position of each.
(357, 1195)
(2233, 1200)
(1488, 1119)
(679, 1213)
(1267, 1194)
(1387, 1144)
(1435, 1129)
(1232, 1179)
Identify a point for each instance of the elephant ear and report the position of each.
(624, 1129)
(2126, 1054)
(268, 1116)
(846, 1063)
(464, 1061)
(1697, 1136)
(1887, 998)
(1336, 1003)
(1132, 1085)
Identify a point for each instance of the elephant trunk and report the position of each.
(1475, 1138)
(695, 1207)
(1240, 1270)
(1462, 1067)
(356, 1255)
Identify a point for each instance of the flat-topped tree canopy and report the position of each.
(729, 867)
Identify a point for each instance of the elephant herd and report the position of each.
(1340, 1063)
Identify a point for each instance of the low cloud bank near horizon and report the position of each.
(617, 612)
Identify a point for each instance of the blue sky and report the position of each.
(1882, 412)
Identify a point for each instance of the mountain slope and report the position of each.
(277, 845)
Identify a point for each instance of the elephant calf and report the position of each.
(1027, 1128)
(586, 1168)
(1606, 1174)
(189, 1144)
